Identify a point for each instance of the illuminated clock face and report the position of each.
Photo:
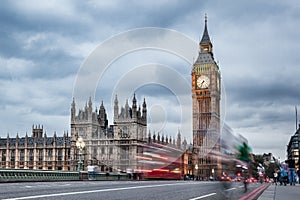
(203, 82)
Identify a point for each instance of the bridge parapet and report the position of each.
(27, 175)
(19, 175)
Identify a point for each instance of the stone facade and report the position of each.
(113, 147)
(37, 151)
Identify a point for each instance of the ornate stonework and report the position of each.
(111, 147)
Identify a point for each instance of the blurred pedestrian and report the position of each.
(279, 177)
(298, 173)
(275, 174)
(291, 171)
(260, 171)
(284, 173)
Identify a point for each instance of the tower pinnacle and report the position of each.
(205, 43)
(205, 37)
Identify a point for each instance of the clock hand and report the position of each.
(202, 83)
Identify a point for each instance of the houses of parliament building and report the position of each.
(112, 148)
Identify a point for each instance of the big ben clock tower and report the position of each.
(206, 108)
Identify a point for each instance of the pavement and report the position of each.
(278, 192)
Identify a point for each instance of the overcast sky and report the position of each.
(45, 45)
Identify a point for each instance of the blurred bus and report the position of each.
(160, 162)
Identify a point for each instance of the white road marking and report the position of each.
(93, 191)
(48, 185)
(230, 189)
(67, 184)
(204, 196)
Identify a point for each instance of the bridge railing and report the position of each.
(25, 175)
(19, 175)
(102, 176)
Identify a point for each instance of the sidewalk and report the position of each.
(281, 192)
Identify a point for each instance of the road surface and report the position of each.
(113, 190)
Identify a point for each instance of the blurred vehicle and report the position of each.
(161, 162)
(163, 173)
(252, 180)
(225, 178)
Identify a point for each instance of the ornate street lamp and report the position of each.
(80, 145)
(196, 168)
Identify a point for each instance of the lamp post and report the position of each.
(213, 173)
(80, 145)
(196, 168)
